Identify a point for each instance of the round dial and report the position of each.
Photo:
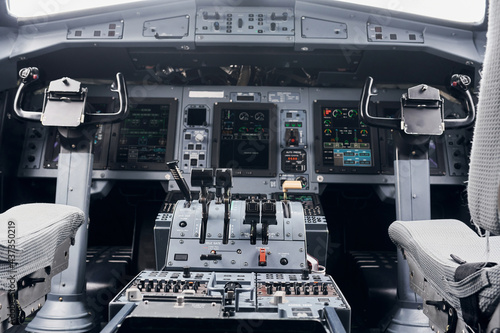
(244, 116)
(259, 116)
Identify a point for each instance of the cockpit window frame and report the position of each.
(6, 16)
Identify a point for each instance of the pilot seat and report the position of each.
(454, 268)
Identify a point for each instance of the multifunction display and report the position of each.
(346, 139)
(345, 142)
(246, 138)
(144, 140)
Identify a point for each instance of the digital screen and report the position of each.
(143, 134)
(244, 139)
(345, 138)
(196, 116)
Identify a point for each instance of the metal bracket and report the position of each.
(64, 103)
(422, 111)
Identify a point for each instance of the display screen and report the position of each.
(145, 139)
(196, 116)
(143, 135)
(245, 138)
(346, 139)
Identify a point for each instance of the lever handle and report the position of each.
(461, 83)
(119, 87)
(368, 119)
(28, 75)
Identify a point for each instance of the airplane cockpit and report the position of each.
(249, 166)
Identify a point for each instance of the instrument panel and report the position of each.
(345, 143)
(267, 135)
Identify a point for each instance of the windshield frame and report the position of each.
(7, 16)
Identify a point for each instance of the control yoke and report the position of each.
(65, 102)
(422, 109)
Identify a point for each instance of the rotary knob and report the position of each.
(199, 137)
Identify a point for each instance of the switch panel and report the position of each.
(458, 150)
(194, 152)
(33, 146)
(379, 33)
(245, 21)
(293, 160)
(194, 149)
(293, 128)
(110, 30)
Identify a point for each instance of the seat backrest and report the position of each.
(484, 174)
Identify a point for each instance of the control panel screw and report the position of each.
(287, 222)
(209, 235)
(301, 265)
(245, 264)
(219, 235)
(300, 234)
(233, 262)
(181, 241)
(301, 250)
(205, 264)
(182, 234)
(288, 234)
(233, 242)
(196, 234)
(232, 235)
(238, 251)
(170, 263)
(277, 234)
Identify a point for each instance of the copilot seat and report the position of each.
(34, 247)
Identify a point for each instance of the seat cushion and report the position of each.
(33, 232)
(430, 243)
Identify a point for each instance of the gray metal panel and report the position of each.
(315, 28)
(248, 21)
(167, 28)
(286, 239)
(111, 30)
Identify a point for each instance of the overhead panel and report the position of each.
(245, 21)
